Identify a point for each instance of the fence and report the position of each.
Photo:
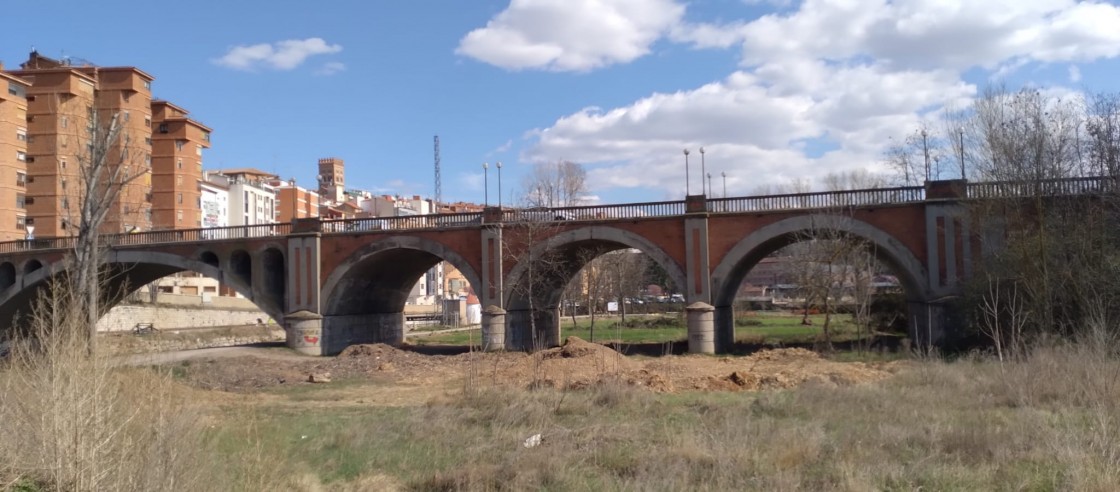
(596, 212)
(1046, 187)
(827, 199)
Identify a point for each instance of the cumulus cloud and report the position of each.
(281, 55)
(571, 35)
(822, 87)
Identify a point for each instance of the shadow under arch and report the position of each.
(570, 246)
(128, 271)
(748, 252)
(363, 299)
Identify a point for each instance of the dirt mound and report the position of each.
(369, 350)
(576, 348)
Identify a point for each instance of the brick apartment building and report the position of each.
(61, 97)
(177, 143)
(13, 157)
(294, 201)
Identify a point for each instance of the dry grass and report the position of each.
(1048, 422)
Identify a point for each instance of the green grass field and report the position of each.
(770, 329)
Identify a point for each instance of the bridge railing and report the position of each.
(825, 199)
(402, 222)
(596, 212)
(1045, 187)
(155, 237)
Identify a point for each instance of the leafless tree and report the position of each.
(555, 184)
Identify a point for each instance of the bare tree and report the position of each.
(555, 184)
(106, 167)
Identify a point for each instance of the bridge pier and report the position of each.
(493, 329)
(304, 332)
(701, 328)
(520, 334)
(724, 329)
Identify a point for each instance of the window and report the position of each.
(21, 222)
(179, 144)
(61, 122)
(148, 141)
(21, 200)
(163, 128)
(179, 179)
(21, 179)
(127, 115)
(148, 84)
(21, 134)
(148, 121)
(21, 156)
(179, 163)
(198, 150)
(180, 198)
(179, 215)
(148, 160)
(62, 164)
(206, 136)
(29, 200)
(63, 183)
(16, 90)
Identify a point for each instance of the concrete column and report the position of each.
(724, 328)
(701, 328)
(304, 332)
(493, 329)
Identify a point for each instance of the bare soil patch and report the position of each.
(576, 364)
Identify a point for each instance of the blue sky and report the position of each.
(775, 90)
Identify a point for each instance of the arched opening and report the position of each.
(365, 298)
(209, 258)
(817, 264)
(128, 272)
(7, 275)
(31, 266)
(535, 288)
(241, 264)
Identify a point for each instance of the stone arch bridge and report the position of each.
(337, 283)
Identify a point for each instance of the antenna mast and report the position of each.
(439, 186)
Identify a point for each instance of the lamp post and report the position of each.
(687, 187)
(486, 184)
(960, 132)
(724, 174)
(703, 171)
(499, 164)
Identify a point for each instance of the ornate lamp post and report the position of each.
(724, 174)
(687, 187)
(486, 184)
(703, 171)
(499, 164)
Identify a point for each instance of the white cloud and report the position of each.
(571, 35)
(1074, 74)
(281, 55)
(331, 68)
(822, 88)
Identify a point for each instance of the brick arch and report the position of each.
(603, 235)
(735, 265)
(411, 248)
(147, 267)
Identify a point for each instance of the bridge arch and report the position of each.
(730, 272)
(364, 296)
(569, 244)
(128, 270)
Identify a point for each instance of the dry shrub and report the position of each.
(74, 422)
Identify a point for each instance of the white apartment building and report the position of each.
(214, 204)
(252, 200)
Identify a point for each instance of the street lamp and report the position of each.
(724, 174)
(704, 171)
(499, 164)
(960, 132)
(687, 187)
(486, 184)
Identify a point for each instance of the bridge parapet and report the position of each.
(819, 200)
(1046, 187)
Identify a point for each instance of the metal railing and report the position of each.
(401, 223)
(596, 212)
(826, 199)
(1045, 187)
(155, 237)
